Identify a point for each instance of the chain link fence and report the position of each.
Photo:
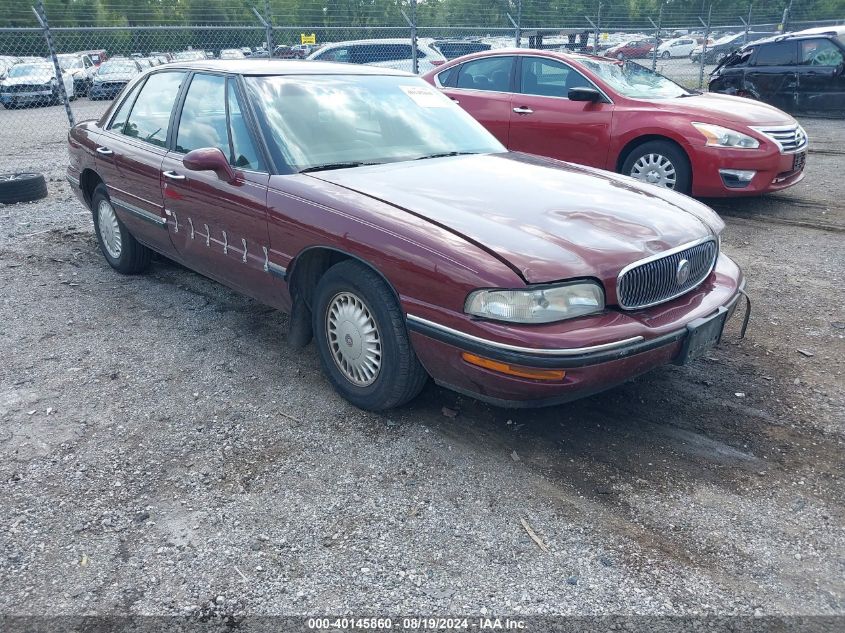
(96, 46)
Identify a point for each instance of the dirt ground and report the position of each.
(163, 451)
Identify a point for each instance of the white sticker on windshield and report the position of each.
(425, 97)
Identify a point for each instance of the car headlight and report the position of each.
(539, 304)
(718, 136)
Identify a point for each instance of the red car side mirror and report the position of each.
(209, 159)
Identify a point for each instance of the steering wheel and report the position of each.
(826, 57)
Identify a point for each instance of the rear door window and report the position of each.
(340, 55)
(492, 73)
(150, 116)
(776, 54)
(821, 52)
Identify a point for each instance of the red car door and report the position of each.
(483, 88)
(544, 121)
(129, 156)
(219, 228)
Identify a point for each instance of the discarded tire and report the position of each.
(22, 188)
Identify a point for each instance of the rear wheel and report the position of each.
(361, 337)
(122, 251)
(660, 163)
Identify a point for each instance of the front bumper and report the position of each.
(97, 91)
(646, 339)
(773, 171)
(40, 96)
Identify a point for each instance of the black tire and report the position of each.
(132, 257)
(666, 55)
(679, 160)
(400, 376)
(22, 188)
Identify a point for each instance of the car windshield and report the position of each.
(25, 70)
(185, 56)
(330, 121)
(118, 68)
(70, 62)
(635, 81)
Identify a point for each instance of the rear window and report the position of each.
(374, 53)
(776, 54)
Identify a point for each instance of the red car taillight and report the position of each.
(438, 62)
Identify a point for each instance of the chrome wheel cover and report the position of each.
(655, 169)
(354, 339)
(109, 229)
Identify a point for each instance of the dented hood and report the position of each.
(547, 219)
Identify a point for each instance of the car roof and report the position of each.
(797, 35)
(266, 66)
(393, 40)
(823, 30)
(566, 55)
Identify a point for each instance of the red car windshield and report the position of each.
(634, 81)
(318, 121)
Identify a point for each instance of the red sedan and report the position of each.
(399, 233)
(623, 117)
(630, 50)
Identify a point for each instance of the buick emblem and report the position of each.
(682, 272)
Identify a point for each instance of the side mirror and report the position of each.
(209, 159)
(585, 94)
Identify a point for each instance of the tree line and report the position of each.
(434, 13)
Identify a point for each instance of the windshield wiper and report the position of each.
(328, 166)
(444, 154)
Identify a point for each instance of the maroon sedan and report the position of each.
(625, 118)
(400, 234)
(631, 49)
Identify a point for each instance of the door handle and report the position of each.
(105, 151)
(523, 110)
(173, 175)
(455, 100)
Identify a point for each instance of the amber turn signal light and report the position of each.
(514, 370)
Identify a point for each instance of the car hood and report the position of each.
(28, 79)
(723, 108)
(113, 77)
(547, 219)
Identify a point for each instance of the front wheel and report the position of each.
(666, 55)
(361, 337)
(660, 163)
(122, 251)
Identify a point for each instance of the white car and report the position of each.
(387, 53)
(232, 53)
(679, 47)
(82, 68)
(34, 83)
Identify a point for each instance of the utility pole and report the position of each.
(786, 16)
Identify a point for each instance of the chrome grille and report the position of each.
(789, 138)
(655, 279)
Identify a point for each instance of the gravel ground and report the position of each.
(163, 451)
